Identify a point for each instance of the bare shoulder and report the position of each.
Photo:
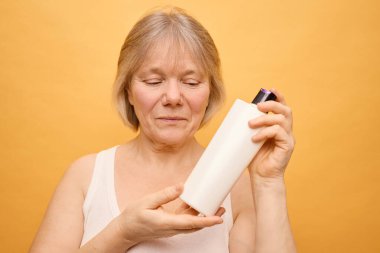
(62, 226)
(83, 165)
(80, 171)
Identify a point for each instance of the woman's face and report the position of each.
(169, 93)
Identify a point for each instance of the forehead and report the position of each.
(172, 54)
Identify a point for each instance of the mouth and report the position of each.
(171, 118)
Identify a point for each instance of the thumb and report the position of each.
(164, 196)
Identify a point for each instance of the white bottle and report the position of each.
(225, 158)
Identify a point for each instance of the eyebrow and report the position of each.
(153, 70)
(159, 71)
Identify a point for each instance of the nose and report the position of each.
(172, 94)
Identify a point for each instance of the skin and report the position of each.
(170, 98)
(273, 231)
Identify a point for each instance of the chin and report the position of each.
(174, 137)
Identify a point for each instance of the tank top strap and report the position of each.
(103, 177)
(109, 163)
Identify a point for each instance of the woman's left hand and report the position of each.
(271, 160)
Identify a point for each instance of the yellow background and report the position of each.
(57, 64)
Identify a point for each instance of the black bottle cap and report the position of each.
(263, 95)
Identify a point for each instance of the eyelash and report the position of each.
(158, 81)
(192, 83)
(153, 81)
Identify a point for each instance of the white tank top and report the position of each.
(100, 207)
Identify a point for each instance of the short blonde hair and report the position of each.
(149, 30)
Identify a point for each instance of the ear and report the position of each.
(130, 96)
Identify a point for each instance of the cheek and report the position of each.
(143, 101)
(200, 102)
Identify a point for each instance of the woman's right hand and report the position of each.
(146, 219)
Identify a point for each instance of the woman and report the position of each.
(125, 198)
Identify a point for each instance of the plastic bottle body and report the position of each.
(223, 161)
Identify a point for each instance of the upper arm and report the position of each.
(242, 235)
(61, 229)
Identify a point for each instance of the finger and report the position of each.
(273, 132)
(191, 211)
(280, 97)
(275, 107)
(164, 196)
(184, 208)
(271, 119)
(220, 211)
(186, 221)
(181, 208)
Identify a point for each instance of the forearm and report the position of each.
(110, 239)
(273, 231)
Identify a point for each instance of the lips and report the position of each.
(172, 118)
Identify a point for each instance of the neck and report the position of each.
(167, 157)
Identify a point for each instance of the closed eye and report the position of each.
(152, 81)
(191, 82)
